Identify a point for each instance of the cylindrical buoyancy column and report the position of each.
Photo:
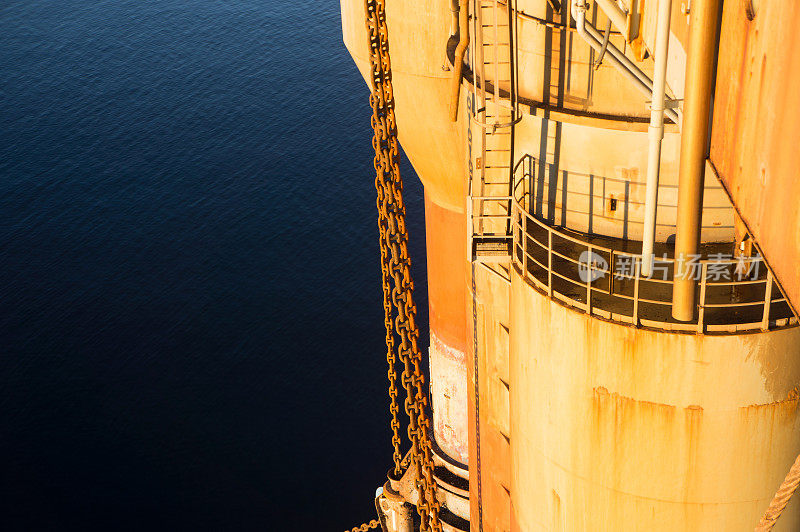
(621, 428)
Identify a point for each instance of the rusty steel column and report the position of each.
(704, 18)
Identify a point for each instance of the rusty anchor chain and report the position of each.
(366, 526)
(399, 309)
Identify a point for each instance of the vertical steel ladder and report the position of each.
(495, 109)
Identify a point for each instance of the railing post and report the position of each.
(589, 282)
(526, 181)
(549, 262)
(637, 267)
(702, 300)
(516, 231)
(611, 272)
(525, 243)
(767, 301)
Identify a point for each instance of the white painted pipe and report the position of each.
(655, 134)
(616, 15)
(629, 65)
(647, 84)
(619, 60)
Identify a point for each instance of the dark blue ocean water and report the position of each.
(190, 317)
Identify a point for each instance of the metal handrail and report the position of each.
(527, 231)
(542, 188)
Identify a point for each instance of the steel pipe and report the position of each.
(606, 37)
(454, 19)
(655, 134)
(458, 61)
(616, 15)
(619, 60)
(703, 22)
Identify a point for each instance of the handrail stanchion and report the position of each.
(637, 268)
(549, 263)
(767, 301)
(702, 300)
(512, 225)
(611, 272)
(589, 282)
(526, 180)
(518, 227)
(525, 243)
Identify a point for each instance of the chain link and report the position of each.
(391, 359)
(395, 268)
(366, 526)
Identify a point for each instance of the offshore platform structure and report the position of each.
(613, 232)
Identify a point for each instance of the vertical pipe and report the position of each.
(458, 61)
(704, 18)
(512, 91)
(454, 19)
(655, 133)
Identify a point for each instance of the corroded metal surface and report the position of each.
(488, 367)
(615, 428)
(421, 88)
(444, 230)
(576, 426)
(449, 393)
(756, 127)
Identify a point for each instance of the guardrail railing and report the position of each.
(602, 276)
(489, 228)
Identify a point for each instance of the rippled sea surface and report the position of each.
(190, 315)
